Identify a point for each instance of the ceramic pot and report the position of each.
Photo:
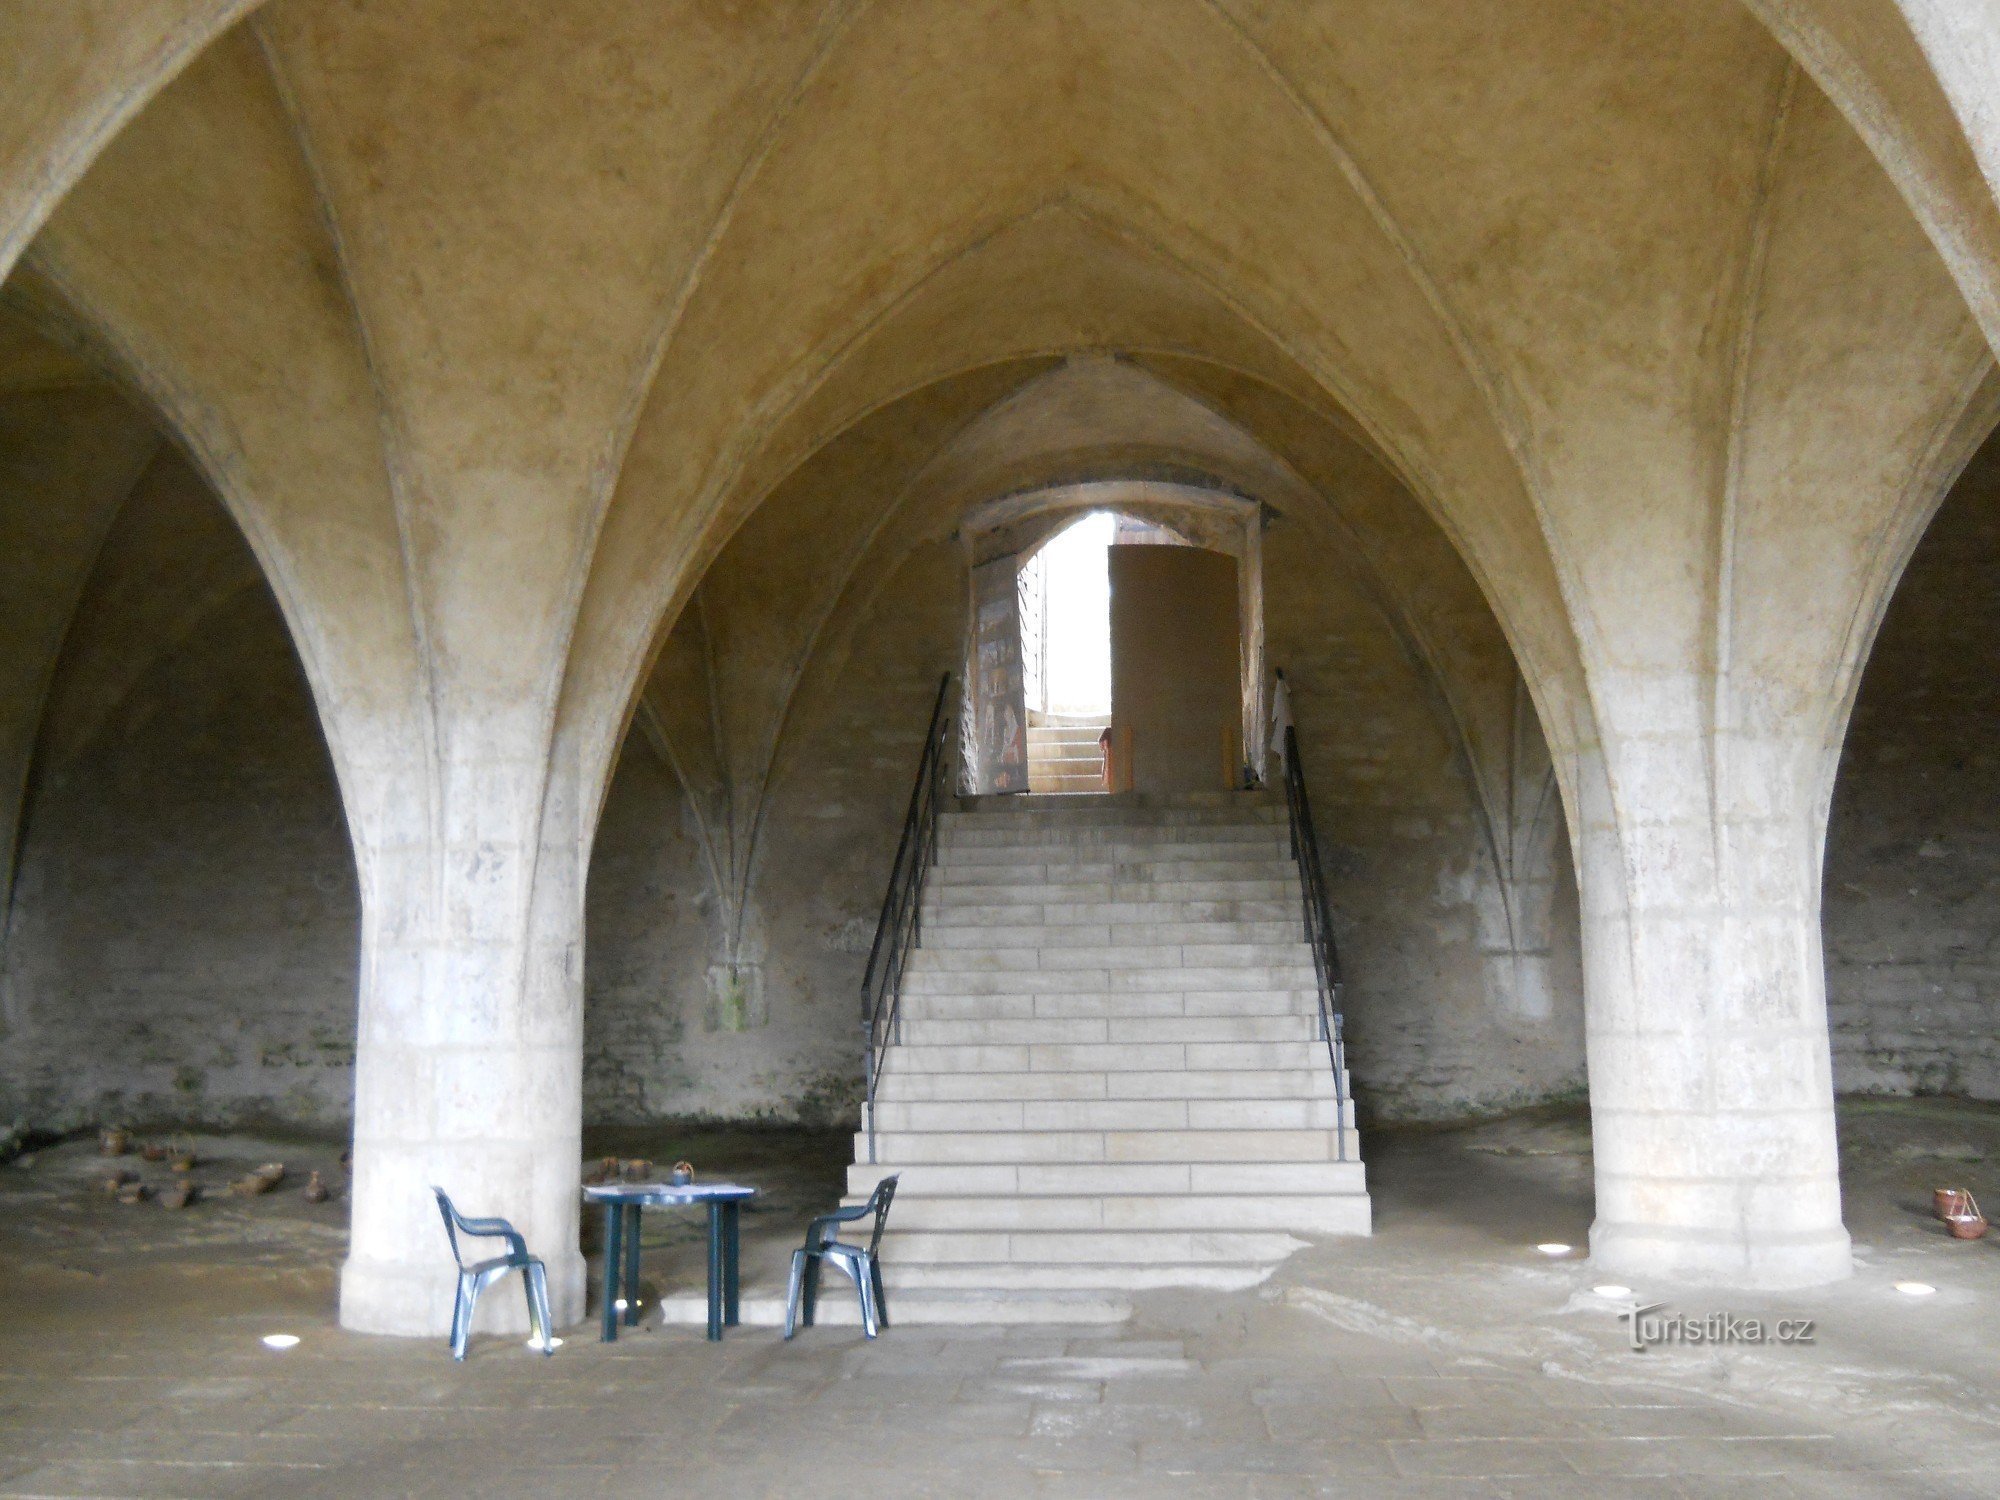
(1949, 1202)
(113, 1141)
(682, 1174)
(1967, 1226)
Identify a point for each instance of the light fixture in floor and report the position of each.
(1915, 1288)
(1553, 1247)
(281, 1340)
(1613, 1291)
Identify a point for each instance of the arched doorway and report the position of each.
(1170, 685)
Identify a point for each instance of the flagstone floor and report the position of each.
(1444, 1357)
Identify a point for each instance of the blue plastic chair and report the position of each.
(863, 1267)
(475, 1278)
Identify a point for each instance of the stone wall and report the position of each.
(182, 937)
(182, 941)
(1912, 882)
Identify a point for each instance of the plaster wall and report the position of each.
(182, 936)
(1912, 883)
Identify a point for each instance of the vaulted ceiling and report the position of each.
(492, 321)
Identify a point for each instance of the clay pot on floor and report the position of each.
(114, 1180)
(316, 1189)
(1968, 1223)
(133, 1192)
(113, 1140)
(259, 1182)
(1947, 1203)
(182, 1163)
(153, 1151)
(180, 1195)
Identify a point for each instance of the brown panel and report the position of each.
(1175, 663)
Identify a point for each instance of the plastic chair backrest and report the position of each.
(451, 1217)
(879, 1201)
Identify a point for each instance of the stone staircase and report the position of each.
(1110, 1076)
(1064, 754)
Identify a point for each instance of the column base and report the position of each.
(1701, 1257)
(414, 1299)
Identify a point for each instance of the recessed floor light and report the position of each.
(1553, 1247)
(1613, 1290)
(281, 1340)
(1915, 1288)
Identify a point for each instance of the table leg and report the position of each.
(715, 1271)
(614, 1220)
(732, 1232)
(632, 1266)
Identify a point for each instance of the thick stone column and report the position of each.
(469, 1072)
(1711, 1083)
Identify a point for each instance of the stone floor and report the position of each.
(1445, 1357)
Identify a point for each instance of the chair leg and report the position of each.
(810, 1304)
(535, 1282)
(864, 1283)
(794, 1285)
(461, 1317)
(881, 1302)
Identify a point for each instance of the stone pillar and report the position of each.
(1711, 1083)
(468, 1073)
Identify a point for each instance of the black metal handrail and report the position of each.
(1319, 930)
(901, 927)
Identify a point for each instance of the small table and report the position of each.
(622, 1202)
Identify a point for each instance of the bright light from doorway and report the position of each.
(1077, 591)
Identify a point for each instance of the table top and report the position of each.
(666, 1193)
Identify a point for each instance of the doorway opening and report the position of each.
(1115, 640)
(1065, 603)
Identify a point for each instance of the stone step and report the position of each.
(1133, 935)
(1089, 1213)
(922, 1006)
(1209, 1178)
(949, 956)
(1144, 807)
(1177, 853)
(977, 835)
(1055, 877)
(924, 978)
(976, 1116)
(1066, 782)
(946, 895)
(934, 1032)
(1106, 1057)
(1045, 913)
(1222, 1083)
(904, 1249)
(1192, 1145)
